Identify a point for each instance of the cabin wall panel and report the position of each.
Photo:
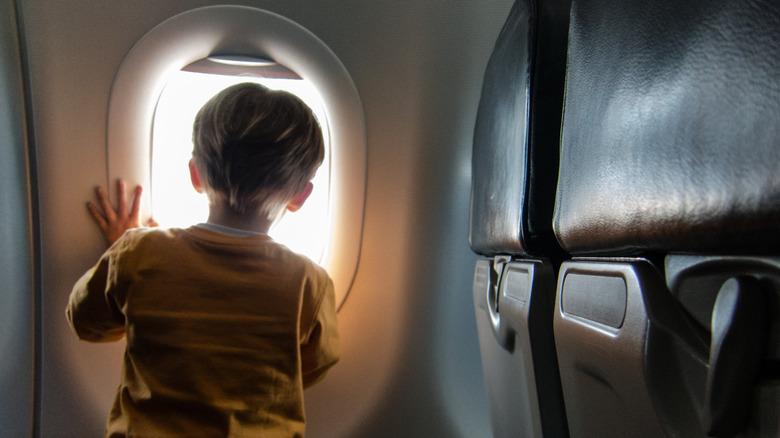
(17, 292)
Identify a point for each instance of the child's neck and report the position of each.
(222, 215)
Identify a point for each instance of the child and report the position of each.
(224, 326)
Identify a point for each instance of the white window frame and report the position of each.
(238, 30)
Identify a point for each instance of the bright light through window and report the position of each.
(176, 204)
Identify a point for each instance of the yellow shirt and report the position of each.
(223, 332)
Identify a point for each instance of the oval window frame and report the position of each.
(241, 30)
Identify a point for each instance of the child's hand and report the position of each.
(112, 222)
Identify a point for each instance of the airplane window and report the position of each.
(174, 202)
(184, 61)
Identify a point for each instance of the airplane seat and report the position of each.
(514, 171)
(667, 318)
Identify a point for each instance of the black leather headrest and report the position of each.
(515, 156)
(671, 133)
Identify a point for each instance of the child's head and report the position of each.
(256, 148)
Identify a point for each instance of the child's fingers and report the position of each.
(107, 209)
(121, 209)
(93, 210)
(136, 209)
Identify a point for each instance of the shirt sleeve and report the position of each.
(91, 312)
(320, 349)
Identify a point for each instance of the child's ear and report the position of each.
(194, 177)
(300, 198)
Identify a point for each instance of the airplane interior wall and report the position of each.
(16, 252)
(410, 358)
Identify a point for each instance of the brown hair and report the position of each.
(257, 147)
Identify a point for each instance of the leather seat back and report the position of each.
(515, 154)
(671, 135)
